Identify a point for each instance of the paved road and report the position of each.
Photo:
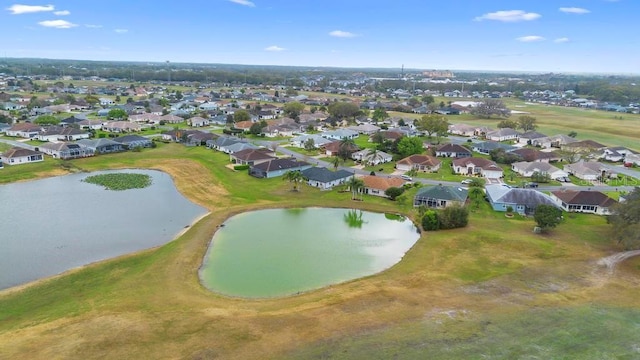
(17, 144)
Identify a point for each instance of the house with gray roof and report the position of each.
(277, 167)
(369, 157)
(134, 141)
(101, 146)
(324, 178)
(503, 135)
(593, 202)
(528, 137)
(522, 201)
(440, 196)
(527, 169)
(66, 150)
(487, 146)
(340, 134)
(18, 156)
(301, 140)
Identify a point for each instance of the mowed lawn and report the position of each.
(489, 286)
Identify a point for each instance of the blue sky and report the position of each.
(550, 35)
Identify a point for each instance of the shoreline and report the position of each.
(27, 285)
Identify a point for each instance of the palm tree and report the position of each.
(294, 177)
(374, 156)
(335, 162)
(356, 185)
(476, 192)
(346, 148)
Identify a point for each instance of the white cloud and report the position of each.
(93, 26)
(121, 31)
(62, 12)
(274, 48)
(561, 40)
(342, 34)
(58, 24)
(530, 38)
(574, 10)
(26, 9)
(509, 16)
(243, 2)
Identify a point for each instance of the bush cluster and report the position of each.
(451, 217)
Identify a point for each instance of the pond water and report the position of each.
(280, 252)
(56, 224)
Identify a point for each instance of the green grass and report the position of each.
(120, 181)
(4, 147)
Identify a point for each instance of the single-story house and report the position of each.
(528, 154)
(65, 150)
(477, 166)
(440, 196)
(239, 146)
(584, 146)
(503, 135)
(197, 121)
(486, 147)
(632, 159)
(301, 140)
(522, 201)
(101, 146)
(527, 169)
(588, 170)
(134, 141)
(171, 119)
(24, 130)
(556, 141)
(251, 156)
(334, 147)
(377, 185)
(453, 150)
(616, 154)
(462, 130)
(370, 157)
(121, 126)
(324, 178)
(528, 137)
(17, 156)
(340, 134)
(58, 133)
(277, 167)
(366, 129)
(423, 163)
(593, 202)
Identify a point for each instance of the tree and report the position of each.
(117, 114)
(428, 99)
(241, 115)
(500, 156)
(294, 177)
(409, 146)
(491, 107)
(527, 123)
(293, 109)
(47, 120)
(335, 162)
(506, 123)
(380, 114)
(453, 217)
(572, 134)
(346, 148)
(430, 221)
(291, 92)
(393, 192)
(433, 124)
(276, 94)
(625, 221)
(5, 119)
(547, 216)
(310, 144)
(178, 95)
(255, 129)
(355, 185)
(118, 99)
(163, 102)
(343, 110)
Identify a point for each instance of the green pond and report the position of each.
(280, 252)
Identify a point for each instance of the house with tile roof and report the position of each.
(66, 150)
(251, 156)
(477, 166)
(423, 163)
(377, 185)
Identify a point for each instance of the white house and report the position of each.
(106, 102)
(527, 169)
(370, 158)
(340, 134)
(17, 156)
(503, 135)
(477, 166)
(593, 202)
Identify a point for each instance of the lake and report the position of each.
(52, 225)
(280, 252)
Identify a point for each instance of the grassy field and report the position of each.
(493, 288)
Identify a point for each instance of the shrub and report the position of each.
(430, 221)
(394, 192)
(453, 217)
(241, 167)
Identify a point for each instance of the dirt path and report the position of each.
(610, 262)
